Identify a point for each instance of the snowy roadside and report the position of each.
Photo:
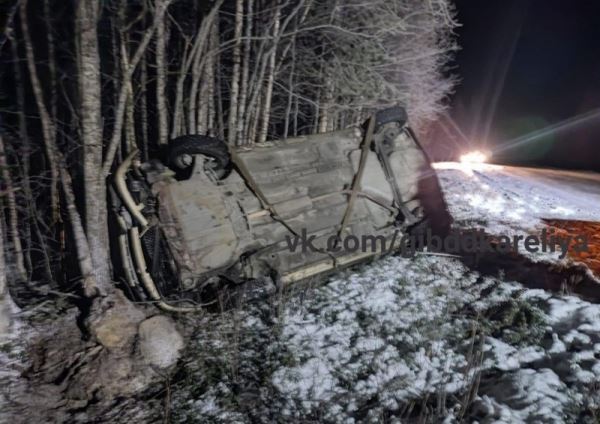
(399, 339)
(512, 201)
(404, 339)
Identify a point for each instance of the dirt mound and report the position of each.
(588, 229)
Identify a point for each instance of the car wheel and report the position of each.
(391, 114)
(182, 150)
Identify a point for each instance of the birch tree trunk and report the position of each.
(205, 94)
(219, 119)
(288, 108)
(178, 106)
(7, 307)
(13, 229)
(161, 82)
(51, 58)
(210, 83)
(144, 107)
(266, 113)
(241, 118)
(235, 76)
(324, 120)
(254, 122)
(130, 105)
(296, 112)
(255, 84)
(91, 286)
(256, 88)
(96, 226)
(198, 64)
(24, 134)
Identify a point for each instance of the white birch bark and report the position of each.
(144, 107)
(161, 82)
(325, 112)
(51, 59)
(179, 87)
(288, 108)
(266, 112)
(91, 286)
(7, 306)
(241, 118)
(96, 226)
(198, 64)
(235, 76)
(130, 106)
(210, 83)
(219, 118)
(13, 229)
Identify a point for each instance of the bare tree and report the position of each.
(207, 103)
(241, 118)
(96, 227)
(198, 64)
(161, 81)
(13, 229)
(270, 78)
(7, 306)
(235, 76)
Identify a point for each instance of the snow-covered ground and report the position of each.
(400, 340)
(423, 340)
(513, 200)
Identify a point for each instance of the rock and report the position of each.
(107, 376)
(114, 322)
(160, 343)
(5, 313)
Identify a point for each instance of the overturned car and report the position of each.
(211, 219)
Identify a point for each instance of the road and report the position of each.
(579, 189)
(519, 194)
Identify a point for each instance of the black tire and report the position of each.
(197, 144)
(391, 114)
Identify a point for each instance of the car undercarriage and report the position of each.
(212, 217)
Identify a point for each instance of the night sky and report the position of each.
(547, 52)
